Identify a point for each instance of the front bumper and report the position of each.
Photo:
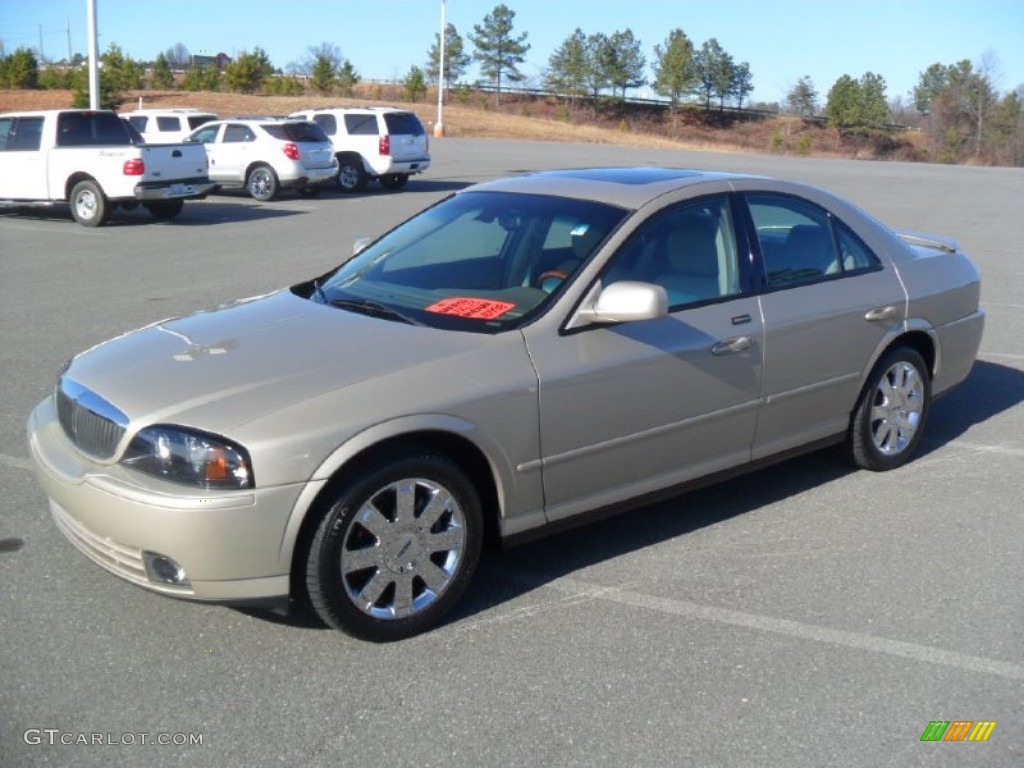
(229, 543)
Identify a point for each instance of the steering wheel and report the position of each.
(546, 280)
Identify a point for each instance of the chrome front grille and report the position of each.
(90, 422)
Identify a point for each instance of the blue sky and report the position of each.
(781, 39)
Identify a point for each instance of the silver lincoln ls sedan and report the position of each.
(525, 354)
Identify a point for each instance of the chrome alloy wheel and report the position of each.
(260, 184)
(86, 204)
(403, 548)
(896, 408)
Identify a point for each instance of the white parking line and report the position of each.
(923, 653)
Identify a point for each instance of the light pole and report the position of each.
(439, 125)
(94, 71)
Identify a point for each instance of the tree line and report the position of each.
(957, 105)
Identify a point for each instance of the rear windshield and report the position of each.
(403, 124)
(298, 131)
(78, 129)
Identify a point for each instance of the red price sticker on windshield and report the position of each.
(476, 309)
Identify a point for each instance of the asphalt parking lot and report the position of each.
(805, 615)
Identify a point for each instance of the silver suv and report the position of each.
(264, 155)
(383, 143)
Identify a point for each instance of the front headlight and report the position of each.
(190, 457)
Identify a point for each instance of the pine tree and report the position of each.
(497, 50)
(674, 72)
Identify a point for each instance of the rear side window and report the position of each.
(236, 133)
(361, 125)
(299, 131)
(168, 124)
(20, 133)
(795, 238)
(79, 129)
(403, 124)
(327, 122)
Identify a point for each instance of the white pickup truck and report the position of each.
(90, 159)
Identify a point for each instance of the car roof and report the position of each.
(380, 110)
(626, 187)
(168, 111)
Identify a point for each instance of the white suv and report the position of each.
(266, 154)
(382, 143)
(166, 126)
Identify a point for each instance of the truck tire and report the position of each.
(351, 174)
(89, 206)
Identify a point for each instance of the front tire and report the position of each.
(89, 206)
(262, 183)
(165, 210)
(890, 416)
(396, 549)
(351, 174)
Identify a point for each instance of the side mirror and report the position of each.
(627, 301)
(360, 245)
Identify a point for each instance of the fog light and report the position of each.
(164, 570)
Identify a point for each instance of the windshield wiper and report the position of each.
(374, 309)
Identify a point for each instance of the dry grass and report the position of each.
(536, 120)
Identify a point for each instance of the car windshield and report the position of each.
(479, 261)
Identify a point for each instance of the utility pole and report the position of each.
(42, 57)
(439, 125)
(69, 42)
(94, 62)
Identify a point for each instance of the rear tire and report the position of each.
(89, 206)
(165, 210)
(397, 548)
(890, 416)
(351, 174)
(262, 183)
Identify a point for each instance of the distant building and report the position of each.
(220, 61)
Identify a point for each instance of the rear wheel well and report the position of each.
(74, 179)
(922, 343)
(462, 452)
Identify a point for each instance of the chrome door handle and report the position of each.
(732, 346)
(880, 313)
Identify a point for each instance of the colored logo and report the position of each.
(958, 730)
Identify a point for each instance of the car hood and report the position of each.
(220, 368)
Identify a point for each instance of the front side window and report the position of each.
(479, 261)
(21, 134)
(196, 121)
(207, 135)
(689, 250)
(138, 122)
